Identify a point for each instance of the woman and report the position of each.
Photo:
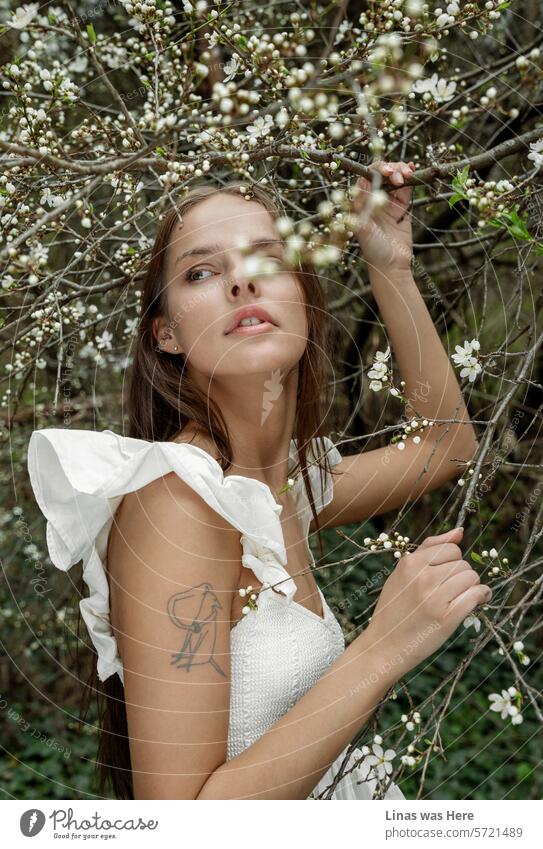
(224, 671)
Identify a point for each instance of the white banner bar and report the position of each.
(367, 825)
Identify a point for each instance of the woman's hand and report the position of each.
(385, 237)
(422, 602)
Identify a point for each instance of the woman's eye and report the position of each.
(193, 275)
(274, 261)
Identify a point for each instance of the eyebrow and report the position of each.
(204, 250)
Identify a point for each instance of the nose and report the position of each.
(238, 280)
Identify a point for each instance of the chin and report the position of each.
(258, 362)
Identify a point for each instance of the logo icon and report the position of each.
(32, 822)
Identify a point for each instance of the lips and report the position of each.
(247, 312)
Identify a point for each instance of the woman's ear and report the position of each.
(164, 338)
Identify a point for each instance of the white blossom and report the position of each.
(440, 89)
(379, 762)
(472, 620)
(261, 127)
(464, 357)
(104, 341)
(536, 154)
(501, 703)
(231, 68)
(23, 15)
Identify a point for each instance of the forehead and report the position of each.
(223, 218)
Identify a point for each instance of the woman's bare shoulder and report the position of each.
(168, 502)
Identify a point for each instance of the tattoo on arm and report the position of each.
(196, 612)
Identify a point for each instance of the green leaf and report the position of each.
(458, 184)
(455, 198)
(242, 41)
(91, 33)
(476, 557)
(160, 151)
(514, 224)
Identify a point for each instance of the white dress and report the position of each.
(279, 651)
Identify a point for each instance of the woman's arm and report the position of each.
(176, 563)
(170, 542)
(290, 759)
(384, 479)
(431, 386)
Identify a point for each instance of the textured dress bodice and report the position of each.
(279, 651)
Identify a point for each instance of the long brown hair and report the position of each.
(162, 398)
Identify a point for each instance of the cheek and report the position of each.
(197, 315)
(295, 308)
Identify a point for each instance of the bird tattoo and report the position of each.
(195, 611)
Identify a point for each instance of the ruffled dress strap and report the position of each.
(322, 489)
(79, 478)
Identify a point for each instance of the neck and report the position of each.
(259, 413)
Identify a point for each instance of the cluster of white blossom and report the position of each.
(158, 15)
(52, 316)
(22, 77)
(410, 723)
(469, 472)
(380, 374)
(396, 542)
(497, 565)
(467, 360)
(490, 197)
(411, 430)
(27, 267)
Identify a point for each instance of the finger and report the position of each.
(363, 190)
(397, 172)
(444, 571)
(454, 586)
(454, 535)
(443, 552)
(467, 601)
(407, 169)
(397, 177)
